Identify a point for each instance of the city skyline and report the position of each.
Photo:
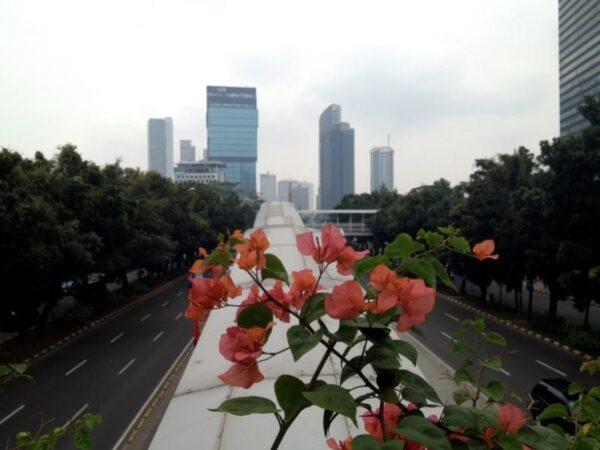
(382, 168)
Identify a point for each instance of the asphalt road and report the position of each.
(529, 359)
(110, 371)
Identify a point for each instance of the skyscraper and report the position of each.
(300, 193)
(187, 152)
(579, 41)
(268, 187)
(336, 158)
(232, 122)
(382, 168)
(160, 146)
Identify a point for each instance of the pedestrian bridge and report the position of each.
(352, 221)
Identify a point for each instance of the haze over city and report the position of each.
(449, 81)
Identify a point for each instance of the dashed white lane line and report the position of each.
(166, 303)
(126, 366)
(5, 418)
(542, 363)
(456, 319)
(178, 316)
(76, 415)
(145, 317)
(116, 338)
(157, 336)
(448, 336)
(180, 293)
(505, 372)
(70, 371)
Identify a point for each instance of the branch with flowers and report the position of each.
(392, 290)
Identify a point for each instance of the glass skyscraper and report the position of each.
(232, 122)
(336, 158)
(160, 146)
(382, 168)
(579, 55)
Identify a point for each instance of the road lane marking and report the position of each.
(157, 336)
(126, 366)
(448, 336)
(145, 317)
(76, 415)
(178, 316)
(75, 368)
(505, 372)
(180, 293)
(11, 414)
(116, 338)
(542, 363)
(165, 303)
(456, 319)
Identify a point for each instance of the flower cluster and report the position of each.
(242, 346)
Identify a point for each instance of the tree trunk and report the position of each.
(124, 279)
(463, 287)
(586, 317)
(483, 290)
(530, 290)
(516, 300)
(500, 293)
(553, 309)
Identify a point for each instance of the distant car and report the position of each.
(547, 392)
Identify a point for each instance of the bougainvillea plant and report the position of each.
(387, 295)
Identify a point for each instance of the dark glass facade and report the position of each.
(232, 122)
(336, 158)
(579, 55)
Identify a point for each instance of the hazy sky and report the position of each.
(451, 81)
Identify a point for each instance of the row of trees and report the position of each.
(543, 212)
(64, 218)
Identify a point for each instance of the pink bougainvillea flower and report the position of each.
(485, 250)
(303, 287)
(417, 300)
(346, 301)
(208, 293)
(347, 258)
(242, 375)
(341, 445)
(252, 252)
(284, 298)
(328, 250)
(391, 414)
(511, 418)
(242, 346)
(382, 278)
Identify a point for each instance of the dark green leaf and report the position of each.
(288, 390)
(540, 437)
(219, 258)
(381, 357)
(423, 431)
(433, 239)
(416, 389)
(255, 316)
(495, 338)
(494, 390)
(553, 411)
(82, 440)
(460, 244)
(242, 406)
(333, 398)
(405, 349)
(441, 272)
(274, 269)
(392, 445)
(462, 374)
(346, 332)
(461, 396)
(509, 443)
(314, 307)
(402, 246)
(367, 264)
(328, 418)
(421, 268)
(365, 442)
(301, 341)
(494, 363)
(456, 417)
(347, 371)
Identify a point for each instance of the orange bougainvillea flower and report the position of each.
(242, 346)
(208, 293)
(238, 234)
(341, 445)
(511, 418)
(328, 250)
(252, 299)
(417, 300)
(391, 414)
(303, 287)
(199, 268)
(347, 258)
(252, 252)
(284, 298)
(346, 301)
(485, 250)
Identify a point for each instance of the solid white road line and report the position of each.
(145, 317)
(178, 316)
(448, 336)
(75, 368)
(116, 338)
(126, 366)
(542, 363)
(147, 402)
(157, 336)
(76, 415)
(166, 303)
(11, 414)
(505, 372)
(456, 319)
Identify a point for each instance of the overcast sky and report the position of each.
(451, 81)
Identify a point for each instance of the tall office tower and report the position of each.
(336, 158)
(579, 41)
(187, 152)
(232, 122)
(268, 187)
(300, 193)
(382, 168)
(160, 146)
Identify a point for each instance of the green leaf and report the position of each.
(459, 347)
(402, 246)
(82, 440)
(301, 341)
(392, 445)
(381, 357)
(20, 368)
(346, 332)
(509, 443)
(388, 378)
(449, 230)
(405, 349)
(441, 272)
(494, 390)
(347, 371)
(460, 244)
(421, 268)
(274, 269)
(456, 417)
(242, 406)
(553, 411)
(365, 442)
(590, 408)
(333, 398)
(255, 316)
(423, 431)
(494, 363)
(314, 308)
(462, 374)
(433, 239)
(219, 258)
(461, 396)
(495, 338)
(541, 437)
(288, 390)
(416, 389)
(575, 388)
(367, 264)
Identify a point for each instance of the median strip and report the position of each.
(75, 368)
(11, 414)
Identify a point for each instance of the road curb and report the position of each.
(509, 323)
(38, 356)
